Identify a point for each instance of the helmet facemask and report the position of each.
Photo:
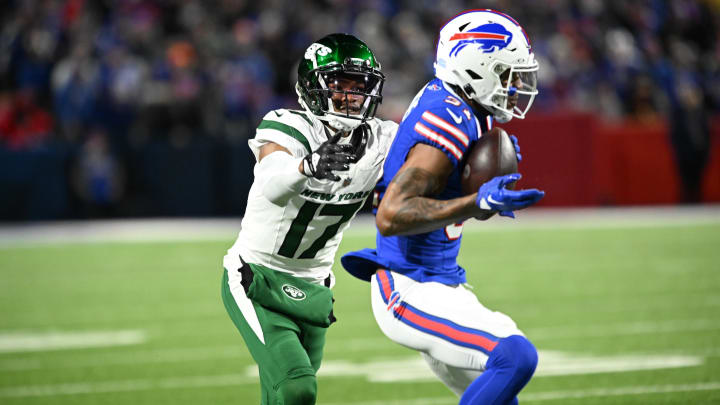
(344, 95)
(514, 92)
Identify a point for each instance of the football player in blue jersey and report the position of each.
(485, 71)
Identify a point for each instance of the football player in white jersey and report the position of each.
(315, 169)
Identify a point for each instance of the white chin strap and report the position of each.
(501, 116)
(340, 123)
(335, 122)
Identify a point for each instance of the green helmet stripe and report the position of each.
(286, 129)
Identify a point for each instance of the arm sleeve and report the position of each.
(279, 177)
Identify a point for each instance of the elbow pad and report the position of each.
(280, 177)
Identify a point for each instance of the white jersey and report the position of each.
(302, 237)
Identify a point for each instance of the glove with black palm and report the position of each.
(359, 141)
(327, 158)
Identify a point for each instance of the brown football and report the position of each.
(492, 155)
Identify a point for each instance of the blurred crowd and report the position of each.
(103, 78)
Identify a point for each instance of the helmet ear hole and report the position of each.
(502, 69)
(468, 89)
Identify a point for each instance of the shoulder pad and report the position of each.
(297, 119)
(288, 124)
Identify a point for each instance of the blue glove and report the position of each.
(494, 196)
(514, 139)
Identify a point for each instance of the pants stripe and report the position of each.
(433, 325)
(245, 306)
(386, 283)
(445, 329)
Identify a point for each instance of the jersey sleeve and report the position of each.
(285, 129)
(451, 130)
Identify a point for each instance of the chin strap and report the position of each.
(335, 123)
(502, 117)
(341, 124)
(359, 140)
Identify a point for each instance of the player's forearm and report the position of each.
(279, 173)
(407, 209)
(422, 214)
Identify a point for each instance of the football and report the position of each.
(492, 155)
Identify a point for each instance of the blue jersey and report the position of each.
(440, 118)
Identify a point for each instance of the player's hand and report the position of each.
(514, 140)
(329, 157)
(494, 196)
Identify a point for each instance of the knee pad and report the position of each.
(300, 390)
(515, 354)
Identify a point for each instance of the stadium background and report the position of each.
(140, 108)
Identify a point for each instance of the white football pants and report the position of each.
(453, 331)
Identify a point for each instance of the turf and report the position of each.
(617, 291)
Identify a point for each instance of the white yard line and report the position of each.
(159, 230)
(125, 357)
(120, 230)
(623, 329)
(558, 395)
(552, 363)
(13, 342)
(616, 392)
(51, 390)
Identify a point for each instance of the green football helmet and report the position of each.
(339, 81)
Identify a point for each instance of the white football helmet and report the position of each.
(478, 51)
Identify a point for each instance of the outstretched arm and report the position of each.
(283, 175)
(279, 173)
(407, 207)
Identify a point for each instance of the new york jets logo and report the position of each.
(293, 292)
(314, 50)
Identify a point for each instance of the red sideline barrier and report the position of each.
(579, 160)
(556, 156)
(711, 181)
(642, 163)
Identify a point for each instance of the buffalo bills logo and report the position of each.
(489, 37)
(433, 87)
(394, 300)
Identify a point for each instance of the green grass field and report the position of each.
(621, 315)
